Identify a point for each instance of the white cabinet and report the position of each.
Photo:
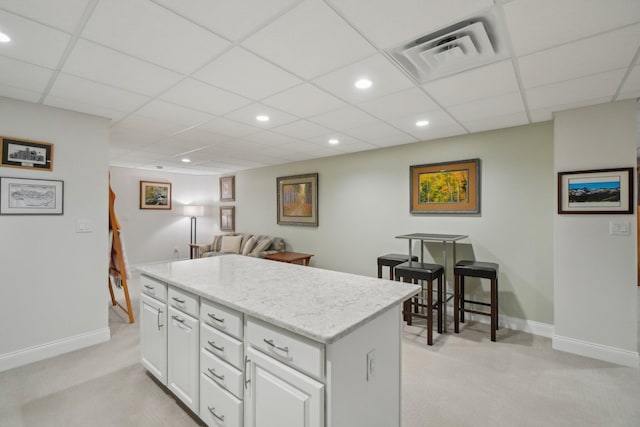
(183, 357)
(153, 336)
(281, 396)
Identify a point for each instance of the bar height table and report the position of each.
(444, 239)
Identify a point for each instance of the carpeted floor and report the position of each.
(463, 380)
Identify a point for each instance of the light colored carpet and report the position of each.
(463, 380)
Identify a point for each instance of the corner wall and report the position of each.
(53, 281)
(596, 312)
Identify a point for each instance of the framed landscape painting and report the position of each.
(23, 153)
(599, 191)
(22, 196)
(297, 199)
(227, 218)
(445, 188)
(155, 195)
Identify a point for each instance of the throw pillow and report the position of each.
(262, 245)
(231, 244)
(215, 246)
(248, 246)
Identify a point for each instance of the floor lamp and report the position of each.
(193, 211)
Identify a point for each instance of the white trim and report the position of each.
(596, 351)
(514, 323)
(53, 348)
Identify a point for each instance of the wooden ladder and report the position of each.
(117, 268)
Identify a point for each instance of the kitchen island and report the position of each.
(251, 342)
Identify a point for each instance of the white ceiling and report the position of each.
(187, 78)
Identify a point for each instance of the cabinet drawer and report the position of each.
(217, 406)
(154, 288)
(183, 300)
(292, 349)
(220, 317)
(221, 373)
(222, 345)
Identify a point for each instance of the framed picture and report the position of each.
(227, 218)
(227, 188)
(446, 188)
(600, 191)
(22, 153)
(298, 199)
(22, 196)
(155, 195)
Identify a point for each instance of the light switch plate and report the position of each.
(619, 228)
(84, 226)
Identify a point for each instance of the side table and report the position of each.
(290, 257)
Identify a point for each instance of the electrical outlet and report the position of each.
(371, 365)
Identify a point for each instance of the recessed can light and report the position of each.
(262, 118)
(422, 123)
(334, 141)
(4, 38)
(363, 83)
(185, 160)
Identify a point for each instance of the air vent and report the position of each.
(459, 47)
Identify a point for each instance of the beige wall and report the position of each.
(364, 204)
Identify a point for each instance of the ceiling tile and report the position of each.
(347, 144)
(488, 107)
(577, 92)
(490, 80)
(322, 41)
(399, 104)
(268, 138)
(445, 131)
(157, 128)
(388, 23)
(97, 63)
(246, 74)
(21, 94)
(124, 137)
(232, 19)
(345, 118)
(301, 129)
(228, 127)
(141, 28)
(61, 14)
(589, 56)
(83, 107)
(199, 137)
(22, 75)
(32, 42)
(631, 87)
(161, 110)
(304, 100)
(496, 122)
(90, 93)
(201, 96)
(436, 118)
(381, 134)
(539, 24)
(299, 146)
(386, 79)
(248, 115)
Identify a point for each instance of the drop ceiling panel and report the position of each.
(631, 87)
(345, 118)
(496, 122)
(247, 115)
(22, 75)
(386, 79)
(104, 65)
(540, 24)
(154, 127)
(148, 31)
(302, 146)
(32, 42)
(436, 119)
(301, 129)
(161, 110)
(73, 104)
(268, 138)
(381, 134)
(388, 23)
(488, 107)
(585, 57)
(489, 80)
(20, 94)
(304, 100)
(399, 104)
(322, 41)
(203, 97)
(121, 136)
(61, 14)
(232, 19)
(246, 74)
(228, 127)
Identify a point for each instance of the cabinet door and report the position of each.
(280, 396)
(153, 336)
(183, 358)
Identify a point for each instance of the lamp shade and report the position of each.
(193, 210)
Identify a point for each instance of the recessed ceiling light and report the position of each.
(262, 118)
(334, 141)
(363, 83)
(159, 167)
(422, 123)
(4, 38)
(185, 160)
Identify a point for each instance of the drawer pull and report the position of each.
(159, 325)
(149, 287)
(178, 300)
(217, 319)
(275, 347)
(213, 372)
(177, 319)
(213, 344)
(213, 412)
(246, 372)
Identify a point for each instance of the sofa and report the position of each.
(255, 245)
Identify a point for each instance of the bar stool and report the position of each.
(415, 271)
(391, 260)
(482, 270)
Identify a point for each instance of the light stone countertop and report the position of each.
(322, 305)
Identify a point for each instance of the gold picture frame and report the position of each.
(297, 200)
(27, 154)
(155, 195)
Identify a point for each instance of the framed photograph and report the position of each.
(22, 153)
(227, 188)
(22, 196)
(445, 188)
(227, 218)
(298, 200)
(600, 191)
(155, 195)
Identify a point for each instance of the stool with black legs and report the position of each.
(482, 270)
(391, 260)
(413, 271)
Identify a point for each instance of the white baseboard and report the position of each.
(596, 351)
(515, 323)
(53, 348)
